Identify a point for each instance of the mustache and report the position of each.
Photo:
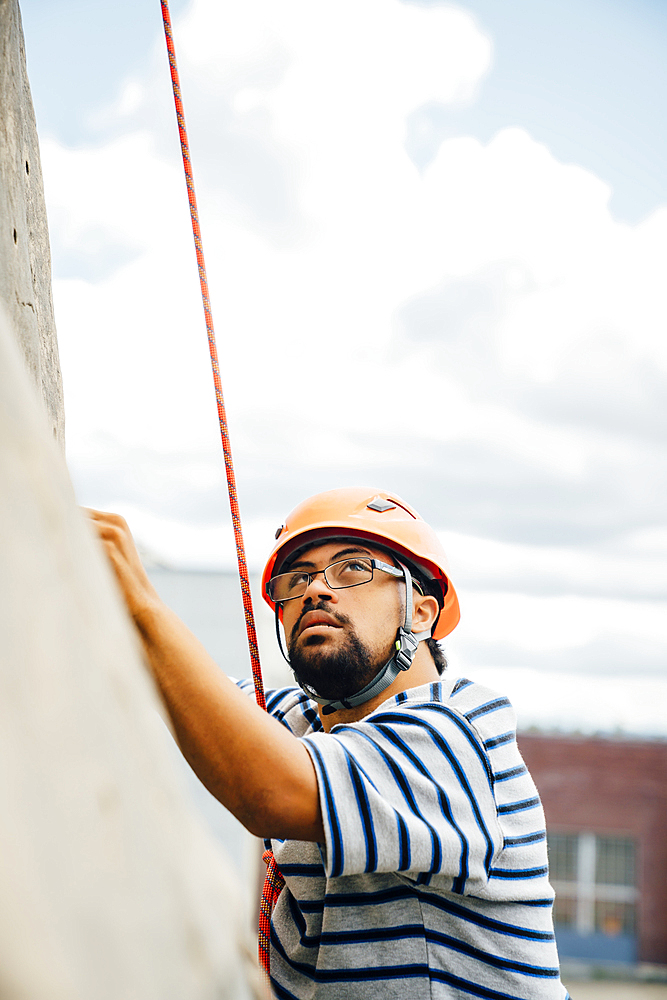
(320, 606)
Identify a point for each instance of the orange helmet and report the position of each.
(378, 517)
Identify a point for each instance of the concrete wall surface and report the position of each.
(25, 256)
(109, 887)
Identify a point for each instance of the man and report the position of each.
(407, 829)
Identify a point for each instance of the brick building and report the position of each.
(606, 809)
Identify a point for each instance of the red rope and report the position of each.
(274, 881)
(213, 351)
(273, 886)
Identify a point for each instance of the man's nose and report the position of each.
(318, 589)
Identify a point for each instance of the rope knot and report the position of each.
(274, 876)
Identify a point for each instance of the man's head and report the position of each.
(339, 630)
(363, 632)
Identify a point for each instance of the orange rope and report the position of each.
(274, 880)
(273, 886)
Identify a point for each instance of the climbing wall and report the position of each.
(25, 257)
(110, 889)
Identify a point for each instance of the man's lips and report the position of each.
(313, 618)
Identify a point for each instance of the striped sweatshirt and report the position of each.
(432, 881)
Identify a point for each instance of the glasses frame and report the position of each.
(375, 564)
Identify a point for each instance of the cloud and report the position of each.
(612, 655)
(567, 632)
(481, 335)
(633, 566)
(567, 701)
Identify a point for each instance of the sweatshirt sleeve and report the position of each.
(408, 790)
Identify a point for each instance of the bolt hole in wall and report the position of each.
(27, 167)
(15, 236)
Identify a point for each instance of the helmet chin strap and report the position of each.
(401, 659)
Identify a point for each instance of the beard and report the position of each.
(332, 673)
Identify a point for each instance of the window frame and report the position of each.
(584, 889)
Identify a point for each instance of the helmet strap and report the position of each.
(405, 647)
(279, 636)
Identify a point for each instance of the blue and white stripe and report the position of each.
(432, 881)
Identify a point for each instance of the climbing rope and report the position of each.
(274, 881)
(273, 886)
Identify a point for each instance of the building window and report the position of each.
(614, 918)
(594, 879)
(614, 861)
(563, 848)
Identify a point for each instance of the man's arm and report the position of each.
(246, 759)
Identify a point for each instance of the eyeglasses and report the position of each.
(351, 572)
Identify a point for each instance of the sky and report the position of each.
(436, 237)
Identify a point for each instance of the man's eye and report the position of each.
(297, 580)
(355, 566)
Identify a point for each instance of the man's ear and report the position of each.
(425, 612)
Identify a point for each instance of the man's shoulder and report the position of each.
(289, 705)
(487, 712)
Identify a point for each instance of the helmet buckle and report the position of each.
(406, 647)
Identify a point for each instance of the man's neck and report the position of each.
(422, 671)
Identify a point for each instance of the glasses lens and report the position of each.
(288, 585)
(344, 573)
(349, 573)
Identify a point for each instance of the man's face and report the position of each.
(338, 639)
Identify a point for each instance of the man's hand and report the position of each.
(112, 530)
(246, 759)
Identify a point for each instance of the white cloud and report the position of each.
(541, 624)
(566, 701)
(634, 565)
(483, 335)
(203, 547)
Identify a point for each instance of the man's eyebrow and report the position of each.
(349, 552)
(305, 564)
